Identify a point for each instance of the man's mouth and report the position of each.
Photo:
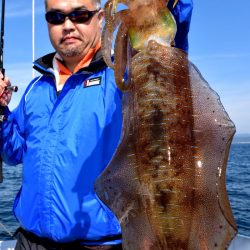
(69, 39)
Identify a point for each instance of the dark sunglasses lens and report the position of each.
(80, 16)
(77, 16)
(54, 17)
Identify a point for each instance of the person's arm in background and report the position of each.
(12, 142)
(182, 13)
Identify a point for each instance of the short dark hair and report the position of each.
(96, 2)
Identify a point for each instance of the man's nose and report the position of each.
(68, 24)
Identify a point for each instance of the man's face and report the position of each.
(73, 40)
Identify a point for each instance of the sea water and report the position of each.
(238, 188)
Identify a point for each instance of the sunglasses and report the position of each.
(76, 16)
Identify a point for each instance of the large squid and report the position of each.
(166, 181)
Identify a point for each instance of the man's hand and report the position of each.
(5, 95)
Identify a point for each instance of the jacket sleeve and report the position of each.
(12, 136)
(182, 13)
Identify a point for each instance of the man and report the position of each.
(64, 132)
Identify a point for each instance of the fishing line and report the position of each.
(6, 230)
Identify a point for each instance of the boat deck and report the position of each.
(240, 242)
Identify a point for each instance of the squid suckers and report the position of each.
(166, 181)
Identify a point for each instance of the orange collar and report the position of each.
(64, 73)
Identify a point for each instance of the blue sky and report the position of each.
(219, 42)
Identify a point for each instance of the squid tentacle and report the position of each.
(107, 37)
(121, 58)
(115, 4)
(109, 16)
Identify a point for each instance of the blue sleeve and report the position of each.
(13, 132)
(182, 13)
(13, 136)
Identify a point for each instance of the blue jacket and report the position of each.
(64, 143)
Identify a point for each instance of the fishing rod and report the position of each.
(2, 117)
(7, 88)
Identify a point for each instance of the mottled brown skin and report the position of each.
(166, 181)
